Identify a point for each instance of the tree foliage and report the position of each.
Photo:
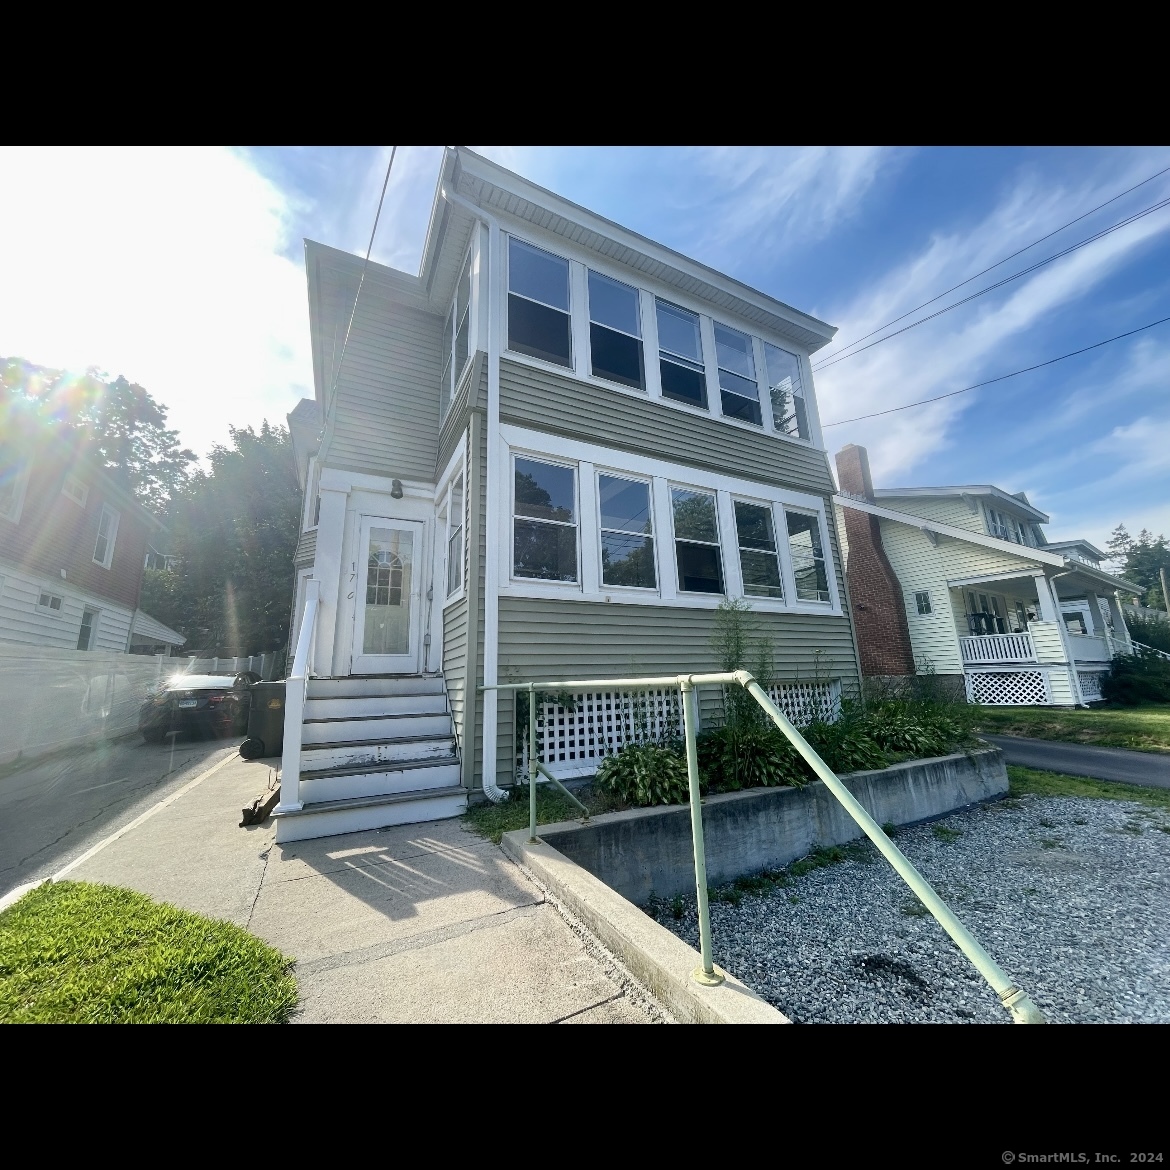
(1139, 561)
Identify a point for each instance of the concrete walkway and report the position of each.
(1074, 759)
(422, 923)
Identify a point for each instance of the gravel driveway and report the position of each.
(1069, 896)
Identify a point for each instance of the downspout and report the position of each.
(491, 574)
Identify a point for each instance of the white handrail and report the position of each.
(997, 648)
(296, 687)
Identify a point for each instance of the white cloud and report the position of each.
(163, 265)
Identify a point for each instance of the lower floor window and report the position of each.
(88, 629)
(808, 557)
(922, 600)
(759, 560)
(544, 538)
(696, 542)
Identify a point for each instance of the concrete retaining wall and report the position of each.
(648, 851)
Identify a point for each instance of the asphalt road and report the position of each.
(1074, 759)
(52, 811)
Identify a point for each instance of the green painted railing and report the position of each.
(1017, 1001)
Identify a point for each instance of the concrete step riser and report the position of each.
(375, 705)
(316, 759)
(337, 688)
(306, 827)
(386, 783)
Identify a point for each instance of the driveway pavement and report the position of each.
(1076, 759)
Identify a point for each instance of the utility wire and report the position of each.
(1002, 377)
(369, 249)
(998, 284)
(1057, 231)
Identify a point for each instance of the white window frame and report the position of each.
(537, 456)
(648, 483)
(17, 505)
(671, 486)
(918, 610)
(111, 536)
(312, 495)
(781, 546)
(59, 611)
(82, 490)
(575, 347)
(752, 348)
(826, 555)
(589, 323)
(93, 628)
(449, 511)
(591, 460)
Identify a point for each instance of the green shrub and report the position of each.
(1150, 631)
(846, 746)
(645, 774)
(746, 755)
(1141, 677)
(914, 729)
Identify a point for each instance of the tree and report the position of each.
(117, 424)
(1140, 560)
(234, 530)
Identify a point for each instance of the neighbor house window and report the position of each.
(545, 521)
(88, 629)
(759, 559)
(75, 490)
(808, 557)
(696, 541)
(107, 533)
(538, 304)
(51, 602)
(922, 600)
(739, 395)
(786, 392)
(680, 353)
(455, 539)
(615, 332)
(627, 541)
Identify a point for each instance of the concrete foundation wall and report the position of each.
(649, 851)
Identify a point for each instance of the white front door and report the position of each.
(389, 588)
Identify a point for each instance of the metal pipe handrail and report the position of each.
(1017, 1001)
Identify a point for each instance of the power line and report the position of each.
(1027, 247)
(369, 249)
(1002, 377)
(999, 283)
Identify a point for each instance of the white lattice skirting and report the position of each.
(572, 741)
(1008, 688)
(1090, 681)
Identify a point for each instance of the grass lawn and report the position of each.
(494, 820)
(1141, 729)
(76, 952)
(1029, 781)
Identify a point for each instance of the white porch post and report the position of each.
(1049, 604)
(1120, 629)
(1049, 611)
(327, 571)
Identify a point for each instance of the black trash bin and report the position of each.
(265, 721)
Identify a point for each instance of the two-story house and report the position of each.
(73, 543)
(962, 581)
(550, 454)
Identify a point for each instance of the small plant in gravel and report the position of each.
(942, 833)
(912, 907)
(1133, 827)
(1051, 843)
(889, 828)
(677, 906)
(1049, 824)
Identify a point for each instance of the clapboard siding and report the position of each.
(920, 565)
(554, 639)
(455, 662)
(23, 621)
(306, 553)
(547, 401)
(941, 509)
(469, 394)
(386, 413)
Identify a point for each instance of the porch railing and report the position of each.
(296, 688)
(1017, 1001)
(997, 648)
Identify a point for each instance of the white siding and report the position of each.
(23, 621)
(943, 509)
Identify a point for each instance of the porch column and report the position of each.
(1049, 610)
(1098, 619)
(1120, 629)
(1049, 605)
(330, 538)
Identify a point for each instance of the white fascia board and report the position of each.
(980, 489)
(151, 627)
(1004, 546)
(992, 578)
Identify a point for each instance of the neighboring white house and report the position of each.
(984, 594)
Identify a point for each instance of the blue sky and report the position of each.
(183, 269)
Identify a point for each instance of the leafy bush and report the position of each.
(645, 774)
(1143, 677)
(919, 730)
(1150, 631)
(847, 745)
(750, 756)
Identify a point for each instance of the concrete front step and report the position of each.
(367, 780)
(354, 687)
(327, 818)
(359, 706)
(319, 757)
(367, 727)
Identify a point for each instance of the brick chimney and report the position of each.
(879, 611)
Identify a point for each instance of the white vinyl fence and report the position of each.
(51, 699)
(267, 666)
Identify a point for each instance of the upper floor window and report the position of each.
(627, 540)
(615, 332)
(739, 395)
(455, 539)
(538, 304)
(759, 559)
(544, 542)
(680, 353)
(107, 533)
(786, 391)
(456, 330)
(75, 490)
(696, 541)
(808, 557)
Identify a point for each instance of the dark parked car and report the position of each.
(212, 704)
